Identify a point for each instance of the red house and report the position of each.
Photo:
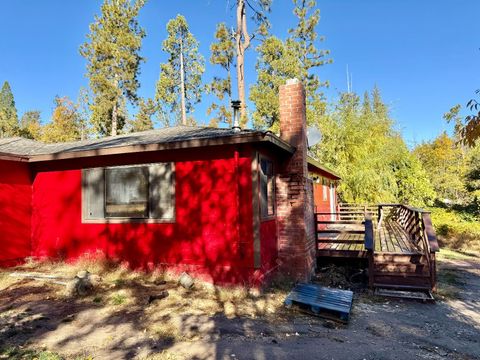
(230, 206)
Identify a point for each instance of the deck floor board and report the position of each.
(388, 238)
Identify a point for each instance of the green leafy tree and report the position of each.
(222, 54)
(472, 175)
(65, 123)
(445, 164)
(8, 112)
(180, 84)
(360, 142)
(243, 40)
(30, 126)
(143, 120)
(112, 53)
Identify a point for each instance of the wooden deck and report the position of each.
(398, 241)
(389, 238)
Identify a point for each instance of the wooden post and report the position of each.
(370, 246)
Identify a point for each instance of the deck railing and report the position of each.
(415, 223)
(356, 211)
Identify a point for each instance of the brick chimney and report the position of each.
(296, 233)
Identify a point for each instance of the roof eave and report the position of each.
(185, 144)
(13, 157)
(317, 165)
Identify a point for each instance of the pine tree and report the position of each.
(143, 119)
(243, 39)
(180, 84)
(84, 113)
(223, 51)
(305, 37)
(30, 126)
(112, 53)
(296, 57)
(65, 124)
(277, 61)
(8, 112)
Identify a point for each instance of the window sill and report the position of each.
(268, 218)
(128, 221)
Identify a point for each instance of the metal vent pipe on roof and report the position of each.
(236, 115)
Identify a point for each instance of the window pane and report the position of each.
(267, 188)
(126, 192)
(162, 191)
(93, 193)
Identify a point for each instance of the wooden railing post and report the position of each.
(379, 216)
(370, 247)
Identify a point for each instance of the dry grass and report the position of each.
(122, 289)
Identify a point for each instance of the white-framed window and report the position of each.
(139, 192)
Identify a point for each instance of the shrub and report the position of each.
(456, 229)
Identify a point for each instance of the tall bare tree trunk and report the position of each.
(241, 46)
(114, 119)
(182, 86)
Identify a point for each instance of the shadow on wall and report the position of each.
(209, 236)
(15, 212)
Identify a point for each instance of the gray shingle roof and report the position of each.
(25, 147)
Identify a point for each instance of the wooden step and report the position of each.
(402, 287)
(401, 268)
(405, 258)
(339, 241)
(340, 231)
(420, 281)
(382, 274)
(341, 222)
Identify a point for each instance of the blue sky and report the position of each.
(423, 55)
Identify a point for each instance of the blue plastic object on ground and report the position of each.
(334, 304)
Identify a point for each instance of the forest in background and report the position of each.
(360, 139)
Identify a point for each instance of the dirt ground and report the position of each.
(120, 320)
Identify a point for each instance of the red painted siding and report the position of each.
(15, 211)
(269, 247)
(212, 233)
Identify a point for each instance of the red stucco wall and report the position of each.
(209, 234)
(15, 211)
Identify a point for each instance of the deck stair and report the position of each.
(399, 243)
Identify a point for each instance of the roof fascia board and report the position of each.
(194, 143)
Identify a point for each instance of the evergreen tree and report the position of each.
(30, 126)
(65, 124)
(84, 113)
(112, 53)
(305, 37)
(8, 112)
(143, 119)
(223, 51)
(297, 57)
(277, 61)
(180, 84)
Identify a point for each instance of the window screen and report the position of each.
(126, 192)
(129, 192)
(267, 188)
